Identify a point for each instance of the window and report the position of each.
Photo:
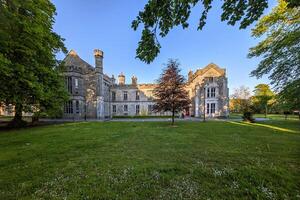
(68, 107)
(77, 106)
(68, 82)
(125, 108)
(76, 83)
(212, 92)
(207, 108)
(137, 109)
(125, 95)
(114, 108)
(208, 92)
(212, 108)
(150, 109)
(113, 96)
(137, 95)
(221, 89)
(211, 79)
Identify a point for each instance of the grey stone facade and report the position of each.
(96, 95)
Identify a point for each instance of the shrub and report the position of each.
(248, 116)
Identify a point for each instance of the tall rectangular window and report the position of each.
(213, 108)
(68, 107)
(76, 83)
(212, 92)
(137, 95)
(68, 82)
(211, 79)
(208, 92)
(125, 108)
(137, 109)
(113, 96)
(77, 106)
(125, 95)
(150, 109)
(207, 108)
(114, 108)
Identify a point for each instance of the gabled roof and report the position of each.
(215, 67)
(72, 59)
(201, 72)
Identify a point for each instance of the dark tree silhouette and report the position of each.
(170, 93)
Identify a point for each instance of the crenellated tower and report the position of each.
(100, 83)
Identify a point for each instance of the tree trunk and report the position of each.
(17, 120)
(18, 112)
(35, 118)
(173, 115)
(266, 111)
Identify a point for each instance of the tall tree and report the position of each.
(160, 16)
(170, 93)
(29, 77)
(263, 96)
(280, 48)
(280, 51)
(240, 99)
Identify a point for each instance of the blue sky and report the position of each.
(106, 24)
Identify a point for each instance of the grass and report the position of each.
(269, 116)
(151, 160)
(142, 117)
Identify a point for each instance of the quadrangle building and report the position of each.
(93, 94)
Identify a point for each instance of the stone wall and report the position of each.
(95, 91)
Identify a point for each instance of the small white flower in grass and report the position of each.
(266, 191)
(156, 175)
(217, 172)
(235, 185)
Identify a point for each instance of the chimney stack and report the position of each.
(190, 75)
(98, 60)
(134, 80)
(121, 79)
(113, 79)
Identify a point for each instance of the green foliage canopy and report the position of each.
(28, 67)
(263, 97)
(280, 50)
(160, 16)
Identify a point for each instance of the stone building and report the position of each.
(96, 95)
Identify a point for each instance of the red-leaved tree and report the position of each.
(170, 93)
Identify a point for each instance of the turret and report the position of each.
(190, 75)
(134, 80)
(113, 80)
(121, 79)
(98, 60)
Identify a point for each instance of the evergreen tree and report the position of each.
(170, 93)
(29, 78)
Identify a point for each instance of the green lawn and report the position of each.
(269, 116)
(151, 160)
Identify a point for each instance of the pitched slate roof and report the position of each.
(72, 59)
